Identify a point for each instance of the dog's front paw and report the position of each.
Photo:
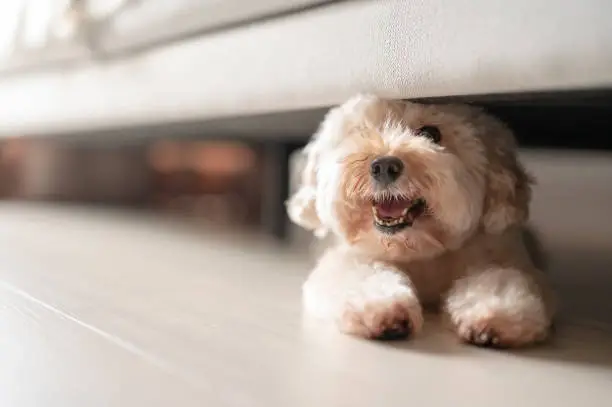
(499, 308)
(501, 331)
(386, 319)
(381, 311)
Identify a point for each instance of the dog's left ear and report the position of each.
(508, 185)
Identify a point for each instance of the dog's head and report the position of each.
(405, 180)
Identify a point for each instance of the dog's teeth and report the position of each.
(375, 214)
(408, 214)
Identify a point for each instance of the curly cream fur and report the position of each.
(467, 256)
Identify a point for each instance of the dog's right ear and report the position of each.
(338, 122)
(301, 206)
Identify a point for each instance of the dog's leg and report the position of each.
(367, 299)
(499, 307)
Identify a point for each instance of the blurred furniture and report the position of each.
(219, 182)
(158, 62)
(102, 69)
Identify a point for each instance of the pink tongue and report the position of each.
(391, 209)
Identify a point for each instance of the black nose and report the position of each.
(386, 169)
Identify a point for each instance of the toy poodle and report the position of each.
(427, 206)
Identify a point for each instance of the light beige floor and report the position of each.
(114, 310)
(105, 309)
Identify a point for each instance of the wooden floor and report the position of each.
(113, 309)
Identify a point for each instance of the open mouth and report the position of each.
(393, 215)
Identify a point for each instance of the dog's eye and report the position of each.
(431, 132)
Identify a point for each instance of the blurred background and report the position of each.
(195, 108)
(121, 119)
(218, 181)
